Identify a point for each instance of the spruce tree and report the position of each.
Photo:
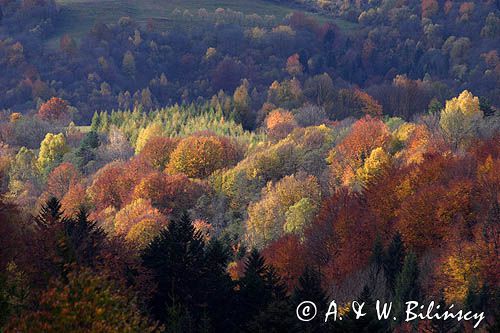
(441, 325)
(86, 152)
(84, 239)
(175, 258)
(94, 125)
(407, 285)
(194, 289)
(50, 214)
(260, 287)
(368, 323)
(393, 261)
(377, 257)
(309, 289)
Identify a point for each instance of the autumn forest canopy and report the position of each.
(208, 169)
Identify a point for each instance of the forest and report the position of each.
(211, 172)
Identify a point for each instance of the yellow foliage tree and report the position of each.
(376, 162)
(146, 134)
(199, 156)
(137, 217)
(462, 272)
(282, 208)
(460, 119)
(52, 149)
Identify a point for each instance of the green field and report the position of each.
(78, 16)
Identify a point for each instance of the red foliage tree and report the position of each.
(284, 254)
(61, 178)
(55, 109)
(157, 151)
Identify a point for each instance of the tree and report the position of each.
(227, 74)
(298, 215)
(309, 289)
(443, 325)
(259, 287)
(268, 218)
(393, 261)
(199, 156)
(172, 194)
(367, 323)
(407, 285)
(320, 91)
(128, 64)
(429, 8)
(54, 110)
(22, 169)
(460, 119)
(61, 179)
(86, 152)
(87, 302)
(157, 151)
(279, 123)
(373, 166)
(139, 222)
(68, 44)
(52, 150)
(243, 107)
(349, 155)
(145, 134)
(84, 240)
(191, 277)
(284, 255)
(293, 65)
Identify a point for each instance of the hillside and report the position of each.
(78, 16)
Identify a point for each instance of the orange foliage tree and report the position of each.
(61, 178)
(199, 156)
(366, 134)
(55, 109)
(284, 255)
(169, 193)
(279, 123)
(157, 151)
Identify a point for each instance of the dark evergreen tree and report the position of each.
(259, 287)
(218, 289)
(86, 152)
(309, 289)
(377, 258)
(368, 323)
(84, 239)
(193, 287)
(443, 326)
(278, 316)
(407, 285)
(50, 214)
(393, 261)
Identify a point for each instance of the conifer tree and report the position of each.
(368, 323)
(309, 289)
(407, 285)
(393, 261)
(259, 287)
